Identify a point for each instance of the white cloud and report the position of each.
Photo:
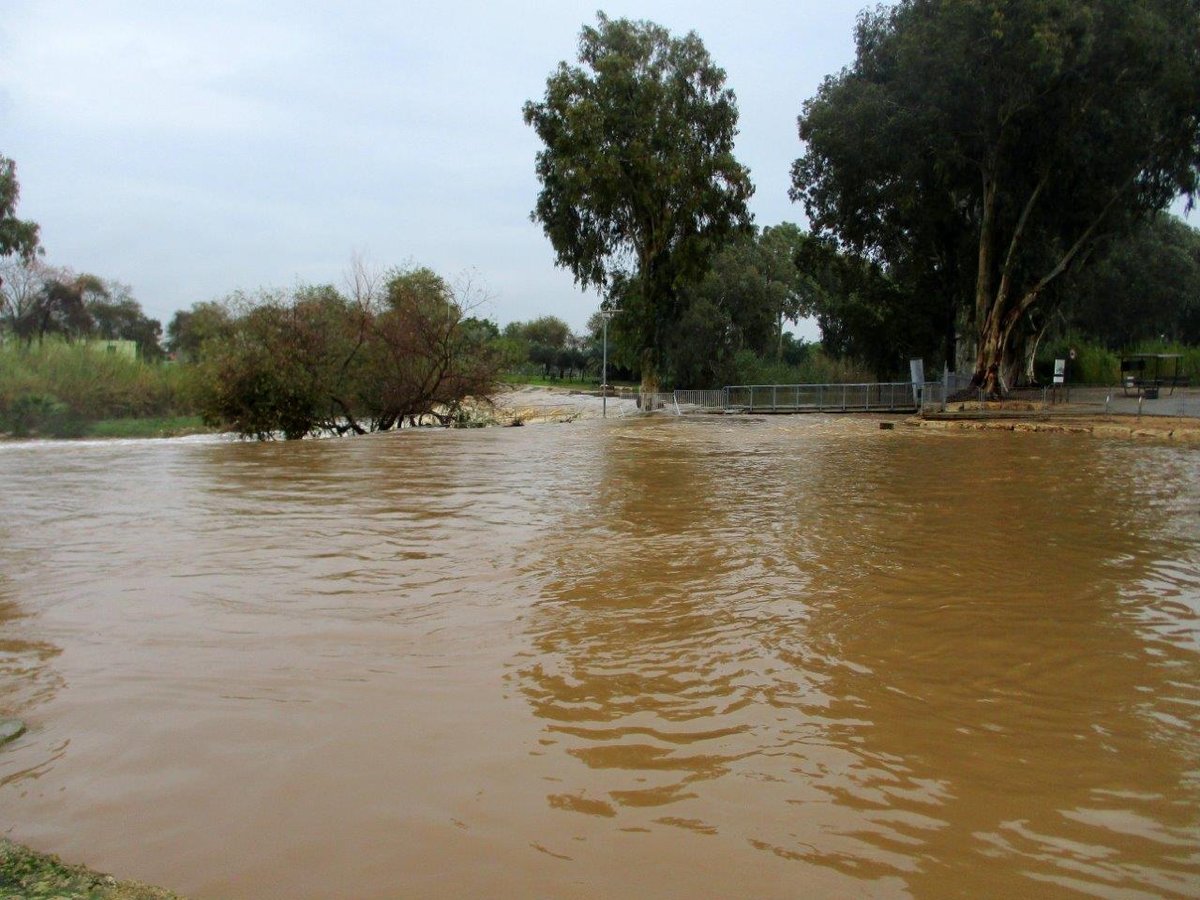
(109, 67)
(191, 148)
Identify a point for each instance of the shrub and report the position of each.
(43, 415)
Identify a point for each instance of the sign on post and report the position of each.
(1060, 371)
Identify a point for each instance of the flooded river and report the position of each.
(774, 658)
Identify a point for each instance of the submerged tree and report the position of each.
(980, 147)
(639, 182)
(423, 357)
(317, 361)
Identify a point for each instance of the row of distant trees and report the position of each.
(1140, 287)
(37, 300)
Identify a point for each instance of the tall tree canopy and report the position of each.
(639, 182)
(751, 289)
(17, 237)
(979, 148)
(1141, 287)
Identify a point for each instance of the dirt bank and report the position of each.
(1161, 428)
(528, 405)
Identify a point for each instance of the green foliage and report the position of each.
(1097, 364)
(582, 384)
(37, 300)
(1093, 364)
(279, 370)
(545, 346)
(864, 314)
(549, 331)
(639, 182)
(191, 330)
(1140, 287)
(59, 306)
(751, 289)
(41, 414)
(814, 367)
(39, 876)
(977, 149)
(56, 388)
(17, 237)
(147, 427)
(116, 315)
(313, 361)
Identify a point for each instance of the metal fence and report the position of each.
(701, 401)
(951, 392)
(658, 402)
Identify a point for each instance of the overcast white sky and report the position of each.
(192, 148)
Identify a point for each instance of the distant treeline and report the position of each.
(404, 347)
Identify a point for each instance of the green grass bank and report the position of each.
(27, 874)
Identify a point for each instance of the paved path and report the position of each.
(1183, 402)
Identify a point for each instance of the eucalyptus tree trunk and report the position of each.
(650, 374)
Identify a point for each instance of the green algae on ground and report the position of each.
(27, 874)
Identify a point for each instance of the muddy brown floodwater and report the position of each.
(774, 658)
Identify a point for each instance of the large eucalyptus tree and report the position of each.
(640, 186)
(981, 147)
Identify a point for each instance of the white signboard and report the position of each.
(1060, 371)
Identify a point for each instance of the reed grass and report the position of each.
(56, 388)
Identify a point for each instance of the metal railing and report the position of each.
(701, 401)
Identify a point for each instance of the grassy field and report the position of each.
(161, 427)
